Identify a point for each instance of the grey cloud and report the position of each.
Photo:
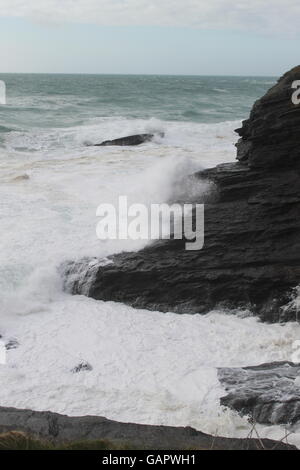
(267, 16)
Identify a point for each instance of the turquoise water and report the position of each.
(148, 367)
(71, 100)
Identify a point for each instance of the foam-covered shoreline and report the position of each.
(147, 367)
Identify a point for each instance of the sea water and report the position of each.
(147, 367)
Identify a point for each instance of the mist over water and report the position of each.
(148, 367)
(52, 180)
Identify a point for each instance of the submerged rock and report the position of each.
(251, 255)
(129, 140)
(12, 344)
(268, 393)
(82, 366)
(9, 344)
(23, 177)
(60, 428)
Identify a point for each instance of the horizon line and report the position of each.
(138, 74)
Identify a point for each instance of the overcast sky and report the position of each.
(222, 37)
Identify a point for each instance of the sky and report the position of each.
(184, 37)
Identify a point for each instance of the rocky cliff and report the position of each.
(251, 256)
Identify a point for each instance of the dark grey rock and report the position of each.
(61, 428)
(267, 393)
(12, 344)
(251, 256)
(271, 134)
(129, 140)
(83, 366)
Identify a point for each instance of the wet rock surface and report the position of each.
(137, 139)
(61, 428)
(268, 393)
(271, 134)
(251, 256)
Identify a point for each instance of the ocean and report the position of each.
(147, 367)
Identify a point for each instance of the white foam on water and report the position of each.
(148, 367)
(49, 216)
(214, 142)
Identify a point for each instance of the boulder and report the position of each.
(268, 393)
(129, 140)
(251, 255)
